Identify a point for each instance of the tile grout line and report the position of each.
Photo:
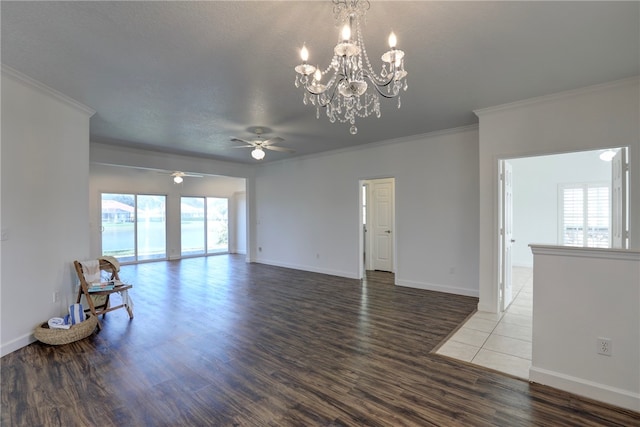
(498, 323)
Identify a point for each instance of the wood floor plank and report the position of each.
(216, 341)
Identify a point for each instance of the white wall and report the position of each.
(240, 240)
(114, 179)
(592, 118)
(45, 204)
(535, 196)
(308, 210)
(581, 294)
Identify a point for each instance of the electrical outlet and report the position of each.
(605, 346)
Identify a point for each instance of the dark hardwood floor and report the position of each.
(218, 342)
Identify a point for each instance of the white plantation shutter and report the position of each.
(585, 217)
(598, 217)
(573, 216)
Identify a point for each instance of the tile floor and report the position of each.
(500, 342)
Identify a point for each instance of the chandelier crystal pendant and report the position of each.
(353, 89)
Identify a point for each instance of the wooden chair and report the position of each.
(99, 301)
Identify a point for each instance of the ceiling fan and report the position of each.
(260, 144)
(178, 176)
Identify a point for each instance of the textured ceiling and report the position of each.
(185, 77)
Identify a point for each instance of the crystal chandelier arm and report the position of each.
(323, 99)
(379, 86)
(395, 66)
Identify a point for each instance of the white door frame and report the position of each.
(505, 223)
(619, 203)
(498, 219)
(361, 235)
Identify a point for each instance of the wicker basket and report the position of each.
(55, 336)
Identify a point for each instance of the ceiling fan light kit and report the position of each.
(354, 89)
(258, 153)
(178, 176)
(260, 144)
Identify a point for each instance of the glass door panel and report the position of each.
(133, 226)
(192, 226)
(217, 225)
(151, 227)
(118, 226)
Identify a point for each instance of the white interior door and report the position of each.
(618, 200)
(506, 234)
(382, 221)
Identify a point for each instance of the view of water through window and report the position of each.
(134, 226)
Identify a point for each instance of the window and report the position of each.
(151, 227)
(217, 225)
(585, 215)
(192, 226)
(133, 226)
(204, 225)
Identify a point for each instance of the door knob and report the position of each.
(513, 240)
(388, 231)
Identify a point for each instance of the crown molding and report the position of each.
(42, 88)
(401, 140)
(557, 96)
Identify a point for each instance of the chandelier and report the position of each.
(354, 89)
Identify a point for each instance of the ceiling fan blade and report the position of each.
(182, 174)
(271, 141)
(242, 141)
(283, 149)
(243, 146)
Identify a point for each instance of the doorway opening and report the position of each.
(570, 199)
(158, 219)
(377, 225)
(550, 200)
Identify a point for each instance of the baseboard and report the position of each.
(601, 392)
(438, 288)
(16, 344)
(309, 268)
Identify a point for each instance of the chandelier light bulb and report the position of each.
(317, 75)
(346, 33)
(392, 40)
(304, 53)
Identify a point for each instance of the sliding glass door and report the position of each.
(204, 225)
(134, 226)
